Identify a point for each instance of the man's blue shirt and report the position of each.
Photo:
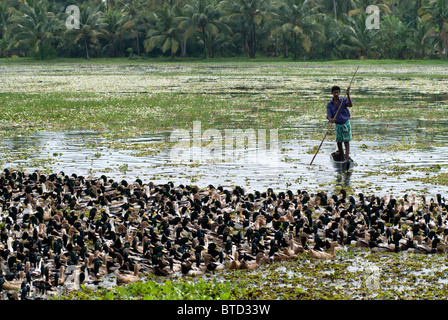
(343, 114)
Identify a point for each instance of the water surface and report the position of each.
(387, 156)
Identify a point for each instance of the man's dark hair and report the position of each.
(335, 88)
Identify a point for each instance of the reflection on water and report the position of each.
(343, 178)
(382, 166)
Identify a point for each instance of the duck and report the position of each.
(111, 225)
(324, 255)
(364, 241)
(61, 276)
(12, 285)
(234, 264)
(278, 256)
(126, 277)
(426, 245)
(251, 265)
(195, 271)
(211, 264)
(383, 247)
(193, 266)
(293, 249)
(186, 265)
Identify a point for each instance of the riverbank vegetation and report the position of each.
(289, 29)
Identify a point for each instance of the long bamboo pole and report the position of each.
(331, 123)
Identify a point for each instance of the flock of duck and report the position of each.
(59, 231)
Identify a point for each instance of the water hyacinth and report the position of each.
(230, 78)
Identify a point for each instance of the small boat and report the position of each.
(341, 165)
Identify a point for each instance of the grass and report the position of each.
(129, 116)
(21, 60)
(163, 289)
(106, 96)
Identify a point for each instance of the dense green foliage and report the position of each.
(356, 273)
(160, 289)
(300, 29)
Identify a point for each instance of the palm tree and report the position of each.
(115, 25)
(336, 44)
(406, 10)
(336, 7)
(4, 16)
(165, 31)
(33, 27)
(360, 6)
(418, 42)
(225, 42)
(188, 28)
(436, 13)
(136, 11)
(298, 19)
(197, 19)
(357, 35)
(110, 4)
(394, 33)
(249, 15)
(206, 17)
(237, 22)
(91, 27)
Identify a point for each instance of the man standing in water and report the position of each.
(342, 120)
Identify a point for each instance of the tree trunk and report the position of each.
(443, 41)
(137, 39)
(121, 49)
(87, 47)
(183, 47)
(285, 47)
(212, 53)
(245, 44)
(445, 47)
(255, 40)
(110, 4)
(296, 54)
(252, 44)
(204, 39)
(335, 10)
(112, 47)
(276, 46)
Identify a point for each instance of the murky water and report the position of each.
(388, 157)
